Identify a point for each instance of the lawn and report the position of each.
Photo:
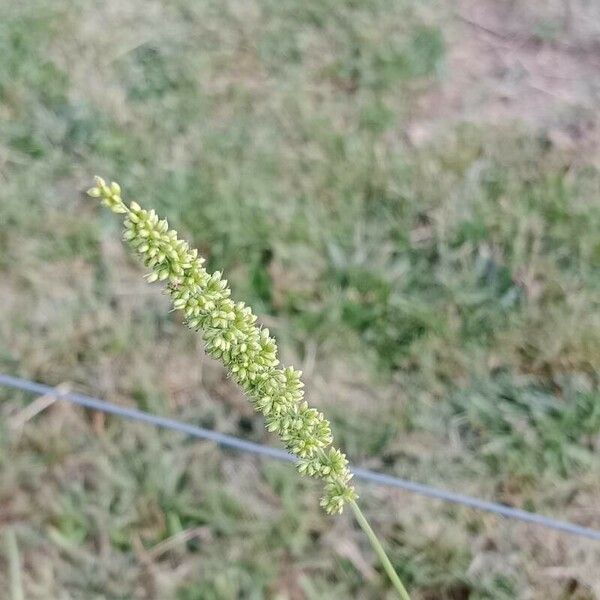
(407, 194)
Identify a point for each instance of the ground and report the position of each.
(408, 194)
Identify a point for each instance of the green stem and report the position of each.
(385, 561)
(14, 566)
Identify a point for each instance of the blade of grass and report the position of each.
(14, 566)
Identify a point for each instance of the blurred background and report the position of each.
(407, 193)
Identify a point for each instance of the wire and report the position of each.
(229, 441)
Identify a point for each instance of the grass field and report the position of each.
(408, 194)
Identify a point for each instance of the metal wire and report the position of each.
(229, 441)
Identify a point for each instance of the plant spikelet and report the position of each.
(232, 336)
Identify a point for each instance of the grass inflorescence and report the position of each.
(231, 335)
(248, 351)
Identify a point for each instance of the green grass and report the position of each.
(442, 297)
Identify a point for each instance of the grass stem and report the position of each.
(383, 557)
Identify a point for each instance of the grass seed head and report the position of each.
(231, 335)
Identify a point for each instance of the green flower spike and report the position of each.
(232, 336)
(248, 352)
